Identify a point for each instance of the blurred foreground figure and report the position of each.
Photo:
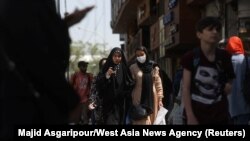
(34, 43)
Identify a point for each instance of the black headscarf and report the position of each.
(123, 75)
(119, 85)
(147, 82)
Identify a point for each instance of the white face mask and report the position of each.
(141, 59)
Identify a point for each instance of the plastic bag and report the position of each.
(177, 115)
(160, 118)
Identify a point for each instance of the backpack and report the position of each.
(179, 73)
(176, 115)
(196, 61)
(246, 83)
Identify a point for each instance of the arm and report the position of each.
(131, 71)
(230, 73)
(158, 85)
(100, 82)
(77, 16)
(186, 97)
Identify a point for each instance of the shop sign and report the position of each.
(172, 4)
(168, 18)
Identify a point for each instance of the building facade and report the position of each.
(167, 27)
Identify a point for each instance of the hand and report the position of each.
(77, 16)
(110, 71)
(92, 106)
(160, 103)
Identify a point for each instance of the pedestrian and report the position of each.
(207, 81)
(238, 107)
(95, 100)
(81, 82)
(116, 82)
(148, 90)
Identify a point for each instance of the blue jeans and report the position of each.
(241, 119)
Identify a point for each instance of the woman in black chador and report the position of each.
(116, 83)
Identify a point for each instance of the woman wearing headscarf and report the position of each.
(95, 102)
(115, 82)
(148, 90)
(238, 108)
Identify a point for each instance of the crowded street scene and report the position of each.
(84, 63)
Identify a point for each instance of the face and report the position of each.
(139, 53)
(209, 35)
(83, 68)
(117, 57)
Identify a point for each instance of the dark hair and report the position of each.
(82, 63)
(142, 48)
(100, 63)
(212, 22)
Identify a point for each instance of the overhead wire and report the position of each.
(95, 22)
(96, 26)
(86, 22)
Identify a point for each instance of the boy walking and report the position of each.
(207, 80)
